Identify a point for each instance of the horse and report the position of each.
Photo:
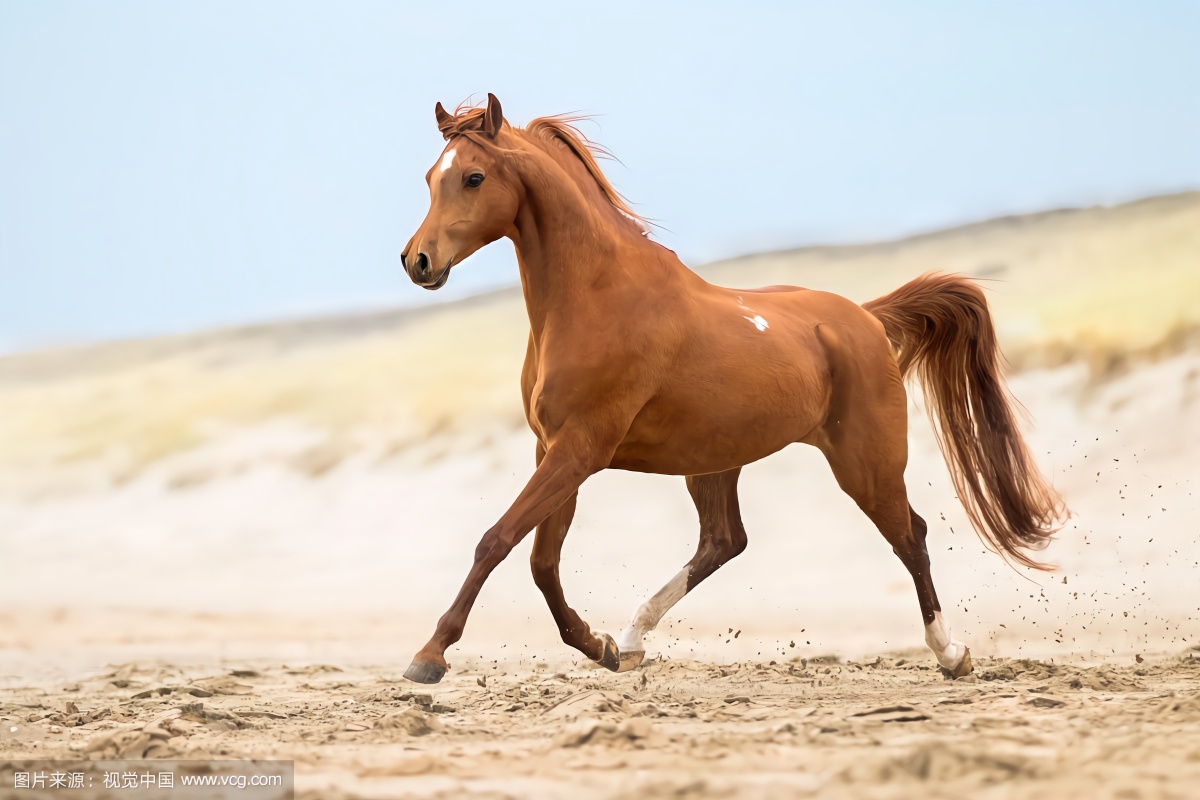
(636, 363)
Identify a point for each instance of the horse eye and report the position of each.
(475, 179)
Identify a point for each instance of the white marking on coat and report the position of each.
(949, 652)
(651, 613)
(448, 159)
(758, 321)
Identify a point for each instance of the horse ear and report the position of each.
(444, 121)
(493, 117)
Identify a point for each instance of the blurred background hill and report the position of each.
(332, 475)
(1106, 286)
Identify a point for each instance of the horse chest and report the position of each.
(535, 410)
(544, 407)
(556, 391)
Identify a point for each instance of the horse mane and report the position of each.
(467, 122)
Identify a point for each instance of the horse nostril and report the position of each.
(421, 265)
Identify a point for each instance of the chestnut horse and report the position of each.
(636, 363)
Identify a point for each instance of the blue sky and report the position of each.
(171, 166)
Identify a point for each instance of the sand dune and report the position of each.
(1094, 284)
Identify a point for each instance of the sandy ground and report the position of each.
(890, 727)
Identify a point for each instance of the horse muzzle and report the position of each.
(420, 270)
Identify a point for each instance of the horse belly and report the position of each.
(717, 422)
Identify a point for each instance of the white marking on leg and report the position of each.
(448, 159)
(948, 651)
(651, 613)
(758, 321)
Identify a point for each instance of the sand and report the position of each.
(890, 727)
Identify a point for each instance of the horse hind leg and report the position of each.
(952, 655)
(866, 444)
(722, 538)
(880, 492)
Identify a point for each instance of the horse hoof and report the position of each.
(611, 658)
(964, 667)
(425, 672)
(631, 660)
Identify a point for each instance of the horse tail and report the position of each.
(941, 328)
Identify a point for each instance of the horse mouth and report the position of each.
(441, 281)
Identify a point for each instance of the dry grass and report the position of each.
(399, 385)
(1105, 360)
(1119, 278)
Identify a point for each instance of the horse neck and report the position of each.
(568, 246)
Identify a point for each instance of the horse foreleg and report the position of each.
(722, 537)
(566, 465)
(544, 561)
